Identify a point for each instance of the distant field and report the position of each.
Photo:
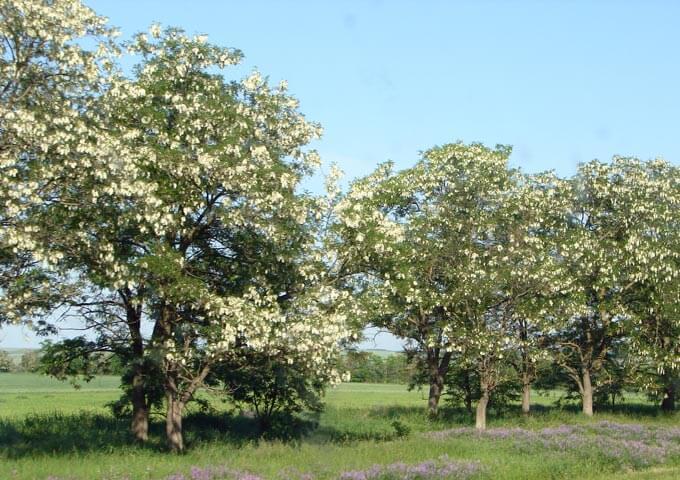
(48, 428)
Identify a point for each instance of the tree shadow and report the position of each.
(454, 415)
(59, 434)
(242, 429)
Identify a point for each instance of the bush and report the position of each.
(269, 387)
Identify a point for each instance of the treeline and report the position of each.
(370, 367)
(28, 362)
(485, 269)
(163, 212)
(34, 361)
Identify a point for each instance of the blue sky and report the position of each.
(561, 81)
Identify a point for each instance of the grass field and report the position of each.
(49, 429)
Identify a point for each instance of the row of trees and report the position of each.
(163, 211)
(478, 264)
(370, 367)
(28, 362)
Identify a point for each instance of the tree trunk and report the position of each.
(480, 419)
(140, 409)
(173, 423)
(668, 402)
(436, 386)
(437, 370)
(587, 394)
(526, 395)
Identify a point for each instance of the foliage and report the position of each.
(47, 79)
(273, 387)
(189, 251)
(6, 363)
(463, 388)
(30, 361)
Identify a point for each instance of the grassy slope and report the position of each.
(42, 433)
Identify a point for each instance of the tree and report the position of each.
(6, 363)
(530, 274)
(463, 386)
(184, 210)
(655, 300)
(30, 361)
(421, 236)
(47, 78)
(607, 251)
(201, 223)
(273, 386)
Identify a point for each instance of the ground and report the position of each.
(47, 428)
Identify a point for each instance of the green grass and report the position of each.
(48, 428)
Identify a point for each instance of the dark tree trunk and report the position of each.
(140, 407)
(437, 371)
(668, 402)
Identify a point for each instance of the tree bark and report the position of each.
(668, 402)
(526, 395)
(140, 409)
(173, 423)
(480, 419)
(587, 394)
(437, 370)
(436, 386)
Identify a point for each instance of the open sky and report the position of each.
(562, 81)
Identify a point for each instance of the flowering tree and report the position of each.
(529, 274)
(47, 78)
(176, 195)
(421, 237)
(500, 321)
(211, 214)
(655, 300)
(607, 250)
(54, 149)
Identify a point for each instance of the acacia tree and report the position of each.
(181, 178)
(655, 301)
(531, 275)
(608, 242)
(421, 237)
(207, 216)
(498, 322)
(47, 78)
(54, 146)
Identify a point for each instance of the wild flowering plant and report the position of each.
(631, 445)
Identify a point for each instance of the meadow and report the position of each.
(48, 429)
